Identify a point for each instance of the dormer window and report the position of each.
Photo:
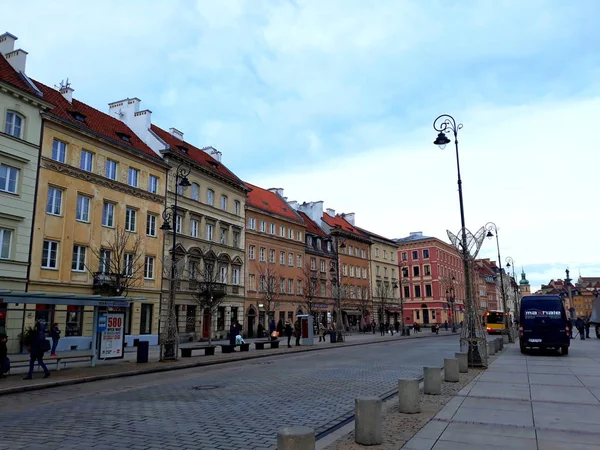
(124, 137)
(78, 116)
(214, 164)
(183, 148)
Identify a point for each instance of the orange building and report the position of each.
(275, 255)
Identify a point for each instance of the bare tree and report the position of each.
(383, 296)
(209, 289)
(363, 300)
(310, 288)
(268, 292)
(121, 263)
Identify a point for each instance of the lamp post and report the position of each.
(510, 263)
(451, 298)
(491, 226)
(169, 342)
(337, 282)
(398, 285)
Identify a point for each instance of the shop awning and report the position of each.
(43, 298)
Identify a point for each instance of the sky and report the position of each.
(334, 100)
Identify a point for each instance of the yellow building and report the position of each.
(97, 221)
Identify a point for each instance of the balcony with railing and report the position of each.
(108, 283)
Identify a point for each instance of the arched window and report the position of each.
(210, 197)
(224, 202)
(14, 124)
(195, 191)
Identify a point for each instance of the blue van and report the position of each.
(543, 323)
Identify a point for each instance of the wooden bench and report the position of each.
(24, 361)
(260, 345)
(230, 348)
(186, 352)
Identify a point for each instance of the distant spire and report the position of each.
(523, 279)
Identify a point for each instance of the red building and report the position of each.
(432, 279)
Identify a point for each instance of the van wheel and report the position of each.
(565, 351)
(523, 349)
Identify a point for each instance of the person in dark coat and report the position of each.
(297, 331)
(373, 327)
(260, 330)
(37, 350)
(233, 332)
(580, 325)
(587, 328)
(382, 328)
(288, 332)
(280, 327)
(55, 335)
(4, 361)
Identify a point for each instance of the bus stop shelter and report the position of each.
(107, 326)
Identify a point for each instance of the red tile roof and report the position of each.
(95, 120)
(12, 77)
(270, 202)
(195, 153)
(342, 223)
(311, 226)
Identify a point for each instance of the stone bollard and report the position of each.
(501, 343)
(296, 438)
(367, 421)
(505, 338)
(491, 348)
(409, 395)
(432, 380)
(451, 370)
(463, 361)
(497, 344)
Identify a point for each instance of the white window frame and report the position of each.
(290, 259)
(107, 208)
(79, 255)
(299, 236)
(5, 187)
(290, 233)
(282, 258)
(298, 260)
(151, 221)
(111, 169)
(223, 274)
(86, 161)
(251, 223)
(263, 226)
(262, 254)
(236, 239)
(10, 124)
(5, 248)
(59, 151)
(237, 206)
(251, 252)
(194, 226)
(48, 247)
(149, 268)
(210, 197)
(195, 194)
(82, 211)
(133, 177)
(131, 220)
(54, 200)
(223, 236)
(272, 228)
(281, 231)
(322, 266)
(152, 184)
(128, 262)
(179, 223)
(235, 276)
(210, 231)
(224, 201)
(104, 264)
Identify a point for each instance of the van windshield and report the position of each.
(543, 309)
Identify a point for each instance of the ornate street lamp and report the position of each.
(510, 263)
(472, 338)
(336, 282)
(491, 226)
(451, 298)
(170, 339)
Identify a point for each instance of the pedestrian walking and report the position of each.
(280, 327)
(260, 330)
(233, 332)
(55, 335)
(288, 332)
(373, 326)
(446, 325)
(321, 332)
(297, 331)
(4, 361)
(397, 326)
(587, 328)
(39, 346)
(382, 328)
(580, 325)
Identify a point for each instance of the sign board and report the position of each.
(111, 340)
(102, 323)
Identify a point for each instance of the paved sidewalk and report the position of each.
(535, 401)
(82, 372)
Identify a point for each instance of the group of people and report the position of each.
(583, 327)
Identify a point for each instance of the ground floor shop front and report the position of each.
(431, 313)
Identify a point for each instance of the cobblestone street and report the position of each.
(239, 405)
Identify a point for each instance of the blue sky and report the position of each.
(334, 100)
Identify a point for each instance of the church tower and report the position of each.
(524, 284)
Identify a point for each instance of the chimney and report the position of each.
(176, 133)
(314, 210)
(293, 204)
(67, 92)
(349, 218)
(416, 233)
(278, 191)
(16, 58)
(7, 43)
(330, 211)
(216, 154)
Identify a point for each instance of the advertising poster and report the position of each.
(111, 340)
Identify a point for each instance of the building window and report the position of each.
(152, 186)
(426, 270)
(393, 272)
(281, 231)
(105, 259)
(385, 272)
(385, 254)
(209, 232)
(251, 282)
(282, 258)
(54, 202)
(271, 228)
(363, 253)
(364, 273)
(223, 274)
(179, 224)
(290, 233)
(149, 268)
(406, 292)
(236, 239)
(415, 254)
(299, 236)
(322, 266)
(271, 255)
(111, 169)
(151, 225)
(87, 161)
(223, 236)
(210, 197)
(132, 177)
(290, 286)
(404, 257)
(261, 254)
(290, 259)
(195, 191)
(417, 291)
(323, 288)
(82, 212)
(299, 260)
(405, 272)
(428, 290)
(377, 272)
(352, 271)
(146, 318)
(5, 242)
(376, 252)
(14, 124)
(130, 216)
(313, 264)
(392, 255)
(74, 320)
(345, 270)
(236, 207)
(224, 202)
(129, 264)
(194, 228)
(252, 223)
(235, 276)
(78, 262)
(425, 254)
(262, 283)
(251, 252)
(416, 271)
(8, 179)
(49, 252)
(59, 151)
(108, 214)
(299, 287)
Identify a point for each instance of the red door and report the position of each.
(206, 325)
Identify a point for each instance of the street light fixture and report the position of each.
(489, 227)
(510, 263)
(451, 298)
(169, 343)
(339, 243)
